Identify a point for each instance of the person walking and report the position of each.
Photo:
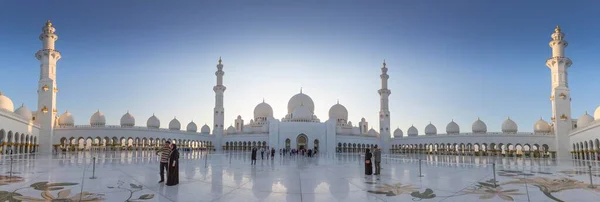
(377, 158)
(368, 163)
(262, 153)
(268, 153)
(253, 156)
(173, 170)
(164, 159)
(272, 153)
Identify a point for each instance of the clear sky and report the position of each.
(459, 59)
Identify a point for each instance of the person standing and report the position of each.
(377, 157)
(253, 156)
(164, 159)
(173, 171)
(262, 153)
(368, 163)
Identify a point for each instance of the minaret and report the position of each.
(384, 111)
(219, 115)
(560, 97)
(46, 110)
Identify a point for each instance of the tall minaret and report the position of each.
(561, 97)
(219, 116)
(46, 111)
(384, 111)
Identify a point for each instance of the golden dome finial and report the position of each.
(220, 60)
(557, 29)
(384, 63)
(48, 23)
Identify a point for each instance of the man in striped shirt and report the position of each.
(164, 159)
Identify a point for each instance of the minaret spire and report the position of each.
(384, 111)
(560, 95)
(219, 110)
(48, 57)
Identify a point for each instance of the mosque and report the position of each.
(43, 130)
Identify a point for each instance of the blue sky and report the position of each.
(447, 60)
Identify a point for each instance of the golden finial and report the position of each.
(384, 63)
(48, 23)
(557, 29)
(300, 90)
(220, 60)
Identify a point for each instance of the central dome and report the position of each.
(263, 110)
(302, 112)
(301, 99)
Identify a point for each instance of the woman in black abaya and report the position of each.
(173, 169)
(368, 163)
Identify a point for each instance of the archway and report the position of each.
(288, 143)
(301, 141)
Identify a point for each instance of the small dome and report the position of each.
(355, 131)
(541, 126)
(263, 110)
(231, 130)
(479, 126)
(192, 127)
(66, 119)
(301, 99)
(350, 123)
(452, 128)
(509, 126)
(6, 103)
(302, 113)
(412, 131)
(24, 112)
(153, 122)
(596, 113)
(398, 133)
(372, 132)
(430, 129)
(174, 124)
(584, 120)
(127, 120)
(338, 112)
(98, 119)
(205, 129)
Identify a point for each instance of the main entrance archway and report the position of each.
(301, 141)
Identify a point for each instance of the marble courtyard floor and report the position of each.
(133, 176)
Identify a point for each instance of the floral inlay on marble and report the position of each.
(132, 189)
(64, 195)
(549, 186)
(400, 189)
(46, 194)
(5, 180)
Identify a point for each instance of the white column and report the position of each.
(219, 111)
(560, 96)
(384, 112)
(46, 111)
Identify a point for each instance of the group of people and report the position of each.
(262, 154)
(169, 161)
(369, 157)
(308, 152)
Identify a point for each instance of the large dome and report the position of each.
(584, 120)
(541, 126)
(127, 120)
(338, 112)
(205, 129)
(412, 131)
(430, 129)
(509, 126)
(452, 128)
(596, 113)
(24, 112)
(7, 104)
(66, 119)
(302, 112)
(301, 99)
(98, 119)
(174, 124)
(479, 126)
(398, 133)
(263, 110)
(192, 127)
(153, 122)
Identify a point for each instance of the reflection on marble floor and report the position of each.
(133, 176)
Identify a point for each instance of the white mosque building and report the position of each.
(43, 130)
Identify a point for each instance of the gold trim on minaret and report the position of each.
(48, 23)
(45, 87)
(563, 117)
(557, 29)
(45, 109)
(562, 96)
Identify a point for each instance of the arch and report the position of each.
(301, 141)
